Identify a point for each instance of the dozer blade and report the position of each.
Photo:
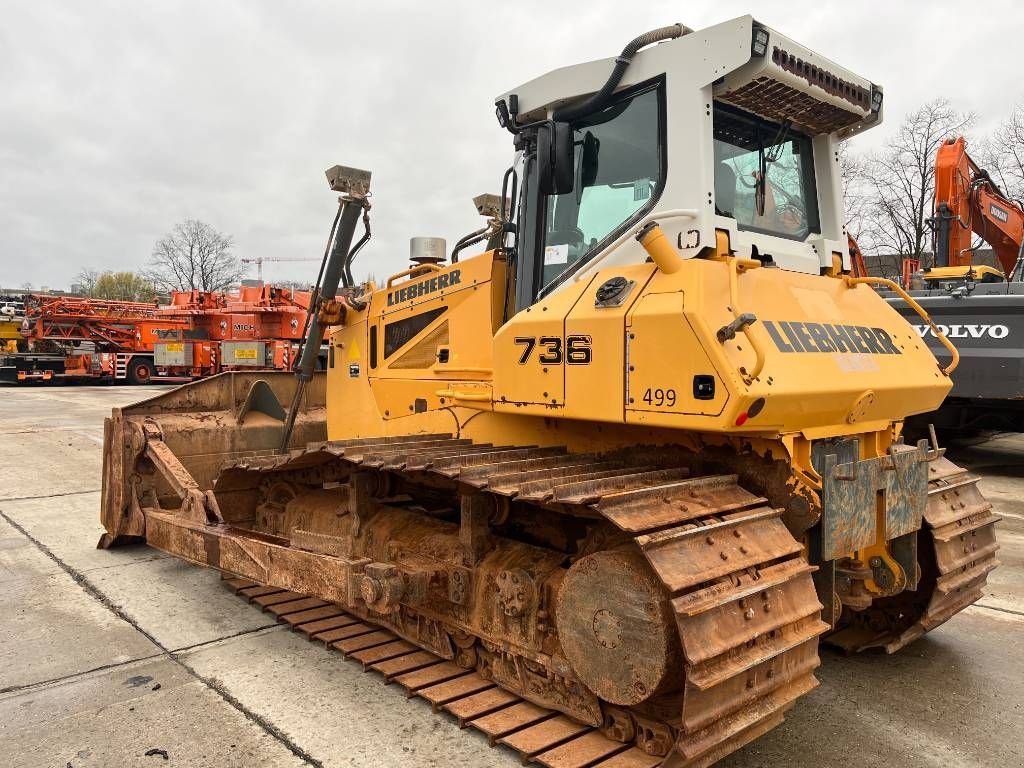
(165, 452)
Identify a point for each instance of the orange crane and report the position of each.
(197, 334)
(72, 320)
(84, 338)
(257, 327)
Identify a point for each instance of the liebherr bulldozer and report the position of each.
(599, 480)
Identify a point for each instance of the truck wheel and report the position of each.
(140, 371)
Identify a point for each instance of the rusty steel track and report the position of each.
(957, 550)
(682, 626)
(741, 602)
(538, 734)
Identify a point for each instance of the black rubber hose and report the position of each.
(598, 100)
(468, 240)
(347, 280)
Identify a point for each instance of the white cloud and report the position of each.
(117, 120)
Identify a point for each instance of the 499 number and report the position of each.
(659, 397)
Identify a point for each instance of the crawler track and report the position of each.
(739, 595)
(537, 734)
(680, 627)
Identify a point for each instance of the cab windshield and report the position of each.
(764, 175)
(618, 176)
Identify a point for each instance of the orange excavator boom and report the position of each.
(967, 203)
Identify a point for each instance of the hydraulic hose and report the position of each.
(347, 280)
(468, 240)
(599, 99)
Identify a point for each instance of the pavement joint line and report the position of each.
(76, 675)
(1001, 610)
(49, 495)
(215, 685)
(214, 641)
(40, 430)
(156, 556)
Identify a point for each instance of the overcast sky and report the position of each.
(119, 119)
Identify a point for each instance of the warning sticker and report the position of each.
(245, 354)
(556, 254)
(174, 347)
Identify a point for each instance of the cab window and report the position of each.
(619, 173)
(764, 175)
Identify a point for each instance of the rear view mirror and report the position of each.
(591, 149)
(555, 158)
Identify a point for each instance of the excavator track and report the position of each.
(956, 549)
(739, 595)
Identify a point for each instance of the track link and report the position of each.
(538, 734)
(740, 592)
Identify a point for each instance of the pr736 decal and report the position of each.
(575, 351)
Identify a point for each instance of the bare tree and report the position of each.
(901, 178)
(85, 281)
(193, 255)
(1002, 154)
(856, 191)
(860, 203)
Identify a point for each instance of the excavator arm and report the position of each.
(968, 203)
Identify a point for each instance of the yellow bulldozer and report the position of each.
(605, 474)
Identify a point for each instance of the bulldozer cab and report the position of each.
(732, 129)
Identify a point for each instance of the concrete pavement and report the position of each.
(105, 655)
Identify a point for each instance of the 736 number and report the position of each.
(576, 350)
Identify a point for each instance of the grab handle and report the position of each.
(428, 267)
(743, 321)
(893, 286)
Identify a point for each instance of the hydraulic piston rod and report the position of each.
(354, 186)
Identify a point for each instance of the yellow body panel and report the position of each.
(824, 368)
(593, 387)
(654, 386)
